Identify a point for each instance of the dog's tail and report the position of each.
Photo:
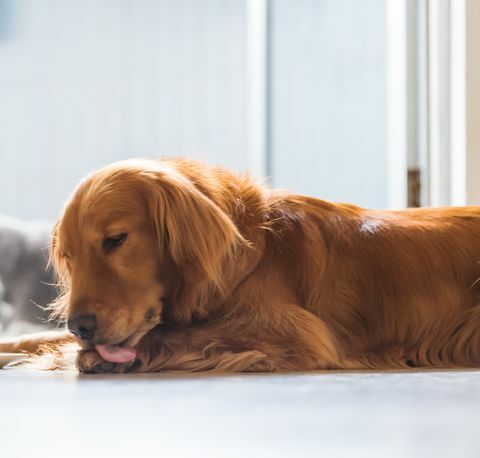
(47, 350)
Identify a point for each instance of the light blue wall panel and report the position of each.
(328, 99)
(87, 82)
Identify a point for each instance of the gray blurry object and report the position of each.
(6, 310)
(25, 279)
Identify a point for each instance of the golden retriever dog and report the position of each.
(169, 265)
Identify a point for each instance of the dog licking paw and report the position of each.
(90, 362)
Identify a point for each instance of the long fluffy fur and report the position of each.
(272, 281)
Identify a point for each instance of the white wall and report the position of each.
(329, 105)
(83, 83)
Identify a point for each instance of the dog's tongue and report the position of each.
(116, 354)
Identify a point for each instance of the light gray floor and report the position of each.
(415, 414)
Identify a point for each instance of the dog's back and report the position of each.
(383, 280)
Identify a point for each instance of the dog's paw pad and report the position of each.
(103, 367)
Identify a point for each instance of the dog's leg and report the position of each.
(34, 343)
(298, 340)
(458, 346)
(170, 351)
(292, 340)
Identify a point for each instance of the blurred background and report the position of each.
(374, 102)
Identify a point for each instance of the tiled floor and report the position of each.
(416, 414)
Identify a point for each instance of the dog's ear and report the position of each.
(56, 260)
(196, 233)
(54, 251)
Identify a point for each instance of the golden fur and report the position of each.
(219, 273)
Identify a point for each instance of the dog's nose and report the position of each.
(83, 326)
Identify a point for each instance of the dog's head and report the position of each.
(138, 243)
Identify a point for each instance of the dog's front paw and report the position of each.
(90, 362)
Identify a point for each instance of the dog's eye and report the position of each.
(110, 243)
